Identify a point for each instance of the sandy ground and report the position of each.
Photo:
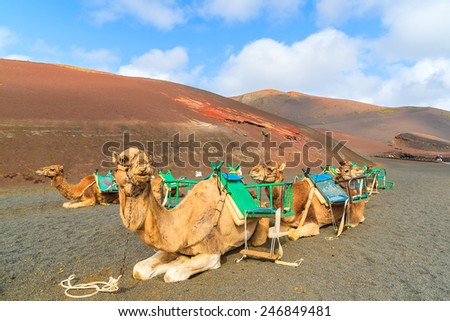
(399, 253)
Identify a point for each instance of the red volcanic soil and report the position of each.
(369, 129)
(55, 114)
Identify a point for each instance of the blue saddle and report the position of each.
(231, 177)
(331, 191)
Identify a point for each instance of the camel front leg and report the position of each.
(262, 230)
(75, 204)
(183, 267)
(309, 229)
(154, 265)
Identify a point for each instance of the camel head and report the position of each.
(347, 171)
(50, 171)
(268, 172)
(134, 170)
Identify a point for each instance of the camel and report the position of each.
(85, 193)
(156, 187)
(189, 238)
(318, 214)
(270, 172)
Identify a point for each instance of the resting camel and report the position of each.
(318, 214)
(85, 193)
(191, 237)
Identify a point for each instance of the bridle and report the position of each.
(132, 180)
(264, 179)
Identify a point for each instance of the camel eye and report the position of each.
(124, 159)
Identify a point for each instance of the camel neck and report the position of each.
(140, 211)
(145, 216)
(63, 187)
(277, 191)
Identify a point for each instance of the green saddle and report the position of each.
(380, 174)
(241, 196)
(106, 183)
(176, 185)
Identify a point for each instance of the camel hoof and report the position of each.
(294, 235)
(67, 205)
(175, 275)
(140, 272)
(138, 276)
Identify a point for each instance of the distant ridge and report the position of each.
(356, 120)
(304, 108)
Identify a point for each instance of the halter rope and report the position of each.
(112, 285)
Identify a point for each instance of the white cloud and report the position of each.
(426, 83)
(242, 11)
(332, 64)
(416, 30)
(165, 65)
(17, 57)
(232, 10)
(321, 61)
(335, 12)
(163, 14)
(99, 59)
(40, 47)
(7, 37)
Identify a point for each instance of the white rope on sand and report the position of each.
(296, 263)
(111, 286)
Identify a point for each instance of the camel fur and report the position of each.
(318, 214)
(191, 237)
(85, 193)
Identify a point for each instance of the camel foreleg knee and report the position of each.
(184, 269)
(76, 204)
(154, 265)
(305, 231)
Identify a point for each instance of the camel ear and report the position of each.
(271, 165)
(150, 159)
(282, 167)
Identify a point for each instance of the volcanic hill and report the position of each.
(57, 114)
(369, 129)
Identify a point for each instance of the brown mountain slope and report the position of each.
(304, 108)
(52, 114)
(354, 120)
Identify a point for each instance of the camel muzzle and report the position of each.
(42, 173)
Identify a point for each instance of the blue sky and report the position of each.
(391, 53)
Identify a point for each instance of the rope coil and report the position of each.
(111, 286)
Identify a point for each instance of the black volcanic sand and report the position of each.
(399, 253)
